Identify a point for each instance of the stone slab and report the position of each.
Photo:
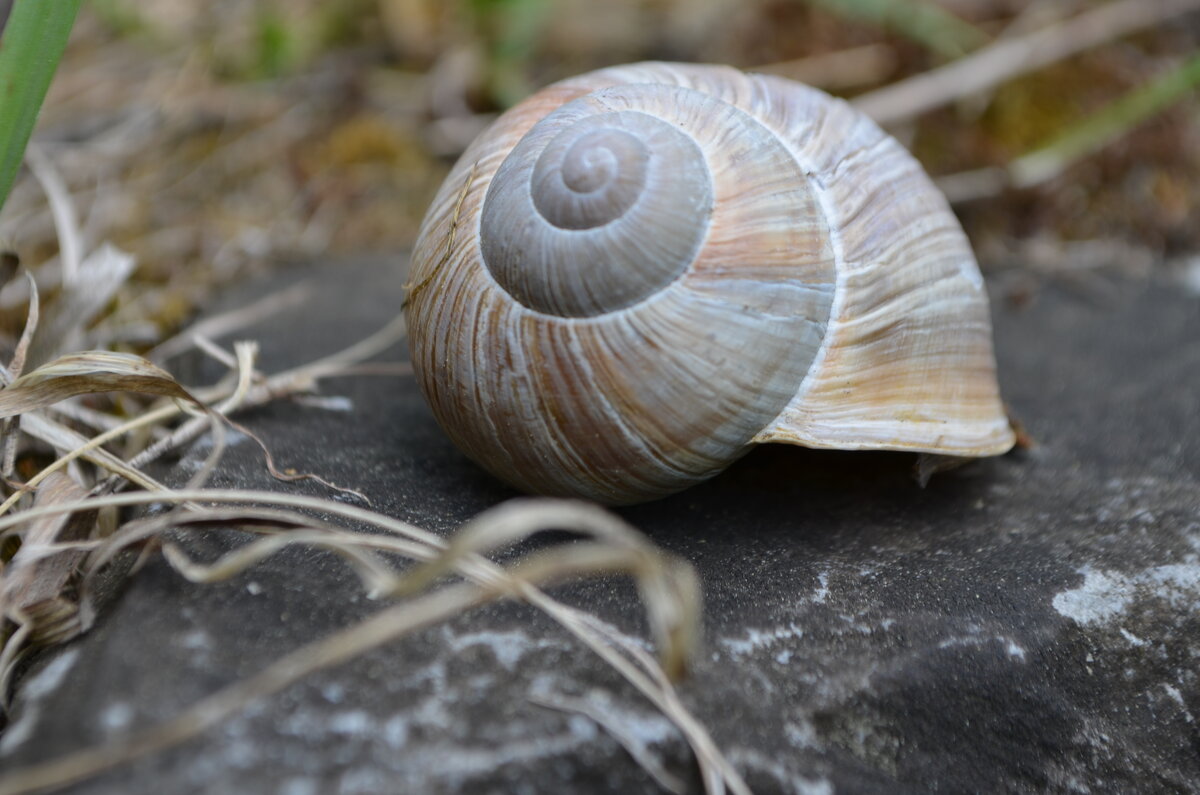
(1024, 624)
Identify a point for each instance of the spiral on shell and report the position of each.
(637, 274)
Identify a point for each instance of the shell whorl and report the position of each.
(635, 274)
(596, 208)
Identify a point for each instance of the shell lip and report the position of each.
(979, 440)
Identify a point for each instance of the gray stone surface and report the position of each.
(1024, 624)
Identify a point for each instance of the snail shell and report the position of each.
(636, 274)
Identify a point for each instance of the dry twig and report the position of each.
(1013, 57)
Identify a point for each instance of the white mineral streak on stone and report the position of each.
(641, 727)
(314, 724)
(644, 727)
(854, 625)
(364, 780)
(789, 781)
(428, 762)
(199, 644)
(355, 723)
(328, 403)
(1106, 595)
(1099, 598)
(1191, 275)
(298, 786)
(433, 711)
(116, 716)
(307, 723)
(508, 647)
(1134, 640)
(1176, 696)
(33, 691)
(433, 674)
(395, 732)
(756, 639)
(374, 741)
(1011, 647)
(196, 639)
(801, 734)
(822, 590)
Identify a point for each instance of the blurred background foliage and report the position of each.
(210, 138)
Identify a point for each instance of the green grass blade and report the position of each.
(1107, 125)
(30, 47)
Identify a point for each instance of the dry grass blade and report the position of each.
(486, 579)
(284, 528)
(663, 585)
(1016, 56)
(490, 582)
(293, 477)
(1079, 139)
(37, 572)
(376, 343)
(91, 418)
(226, 323)
(8, 439)
(66, 223)
(244, 394)
(525, 517)
(668, 586)
(865, 65)
(65, 439)
(670, 592)
(101, 274)
(9, 262)
(506, 524)
(62, 438)
(35, 582)
(640, 670)
(376, 576)
(298, 379)
(389, 624)
(1102, 128)
(243, 360)
(17, 365)
(637, 750)
(87, 373)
